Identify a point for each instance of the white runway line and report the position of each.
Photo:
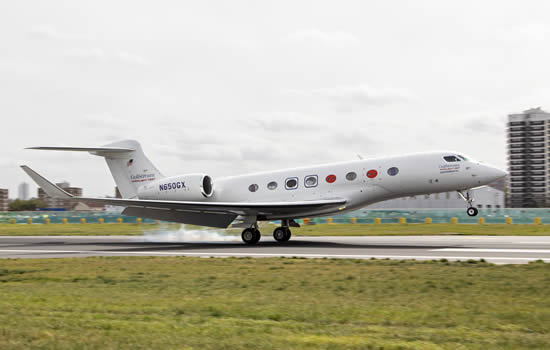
(491, 250)
(215, 254)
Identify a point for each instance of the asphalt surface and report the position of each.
(502, 249)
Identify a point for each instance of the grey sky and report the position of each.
(227, 87)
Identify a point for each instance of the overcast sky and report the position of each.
(228, 87)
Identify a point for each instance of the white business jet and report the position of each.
(277, 195)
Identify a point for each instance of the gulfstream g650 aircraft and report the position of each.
(277, 195)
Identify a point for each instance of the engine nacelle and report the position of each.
(190, 187)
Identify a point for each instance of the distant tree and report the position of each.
(28, 205)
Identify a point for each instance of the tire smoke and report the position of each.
(189, 234)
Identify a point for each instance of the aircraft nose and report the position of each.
(490, 174)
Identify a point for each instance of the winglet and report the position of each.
(51, 189)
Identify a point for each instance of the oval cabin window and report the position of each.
(393, 171)
(253, 188)
(310, 181)
(351, 176)
(272, 185)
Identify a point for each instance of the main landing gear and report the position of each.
(471, 211)
(251, 235)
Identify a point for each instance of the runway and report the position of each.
(501, 249)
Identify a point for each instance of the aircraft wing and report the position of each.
(217, 214)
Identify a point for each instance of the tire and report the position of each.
(288, 234)
(257, 236)
(281, 234)
(472, 211)
(249, 236)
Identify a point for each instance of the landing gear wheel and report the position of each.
(281, 234)
(250, 236)
(472, 211)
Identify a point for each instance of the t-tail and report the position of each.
(126, 161)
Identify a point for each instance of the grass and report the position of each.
(79, 229)
(194, 303)
(307, 230)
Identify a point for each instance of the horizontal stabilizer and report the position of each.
(85, 149)
(51, 189)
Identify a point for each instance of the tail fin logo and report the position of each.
(130, 162)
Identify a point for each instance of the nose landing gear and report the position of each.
(471, 211)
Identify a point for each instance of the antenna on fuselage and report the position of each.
(360, 156)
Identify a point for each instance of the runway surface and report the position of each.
(502, 250)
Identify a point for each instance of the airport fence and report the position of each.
(363, 216)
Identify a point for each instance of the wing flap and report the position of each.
(220, 220)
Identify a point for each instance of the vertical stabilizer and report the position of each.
(130, 169)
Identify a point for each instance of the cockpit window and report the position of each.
(452, 159)
(462, 157)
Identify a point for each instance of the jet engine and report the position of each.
(189, 187)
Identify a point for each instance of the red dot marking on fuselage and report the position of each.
(372, 174)
(331, 178)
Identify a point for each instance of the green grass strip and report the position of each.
(194, 303)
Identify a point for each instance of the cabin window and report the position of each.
(393, 171)
(451, 159)
(291, 183)
(351, 176)
(310, 181)
(253, 188)
(272, 185)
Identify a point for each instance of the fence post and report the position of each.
(509, 220)
(377, 221)
(64, 220)
(82, 220)
(353, 220)
(481, 221)
(306, 221)
(119, 220)
(100, 220)
(402, 220)
(12, 221)
(454, 220)
(329, 220)
(536, 221)
(138, 221)
(46, 221)
(428, 220)
(29, 221)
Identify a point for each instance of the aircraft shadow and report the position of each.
(192, 246)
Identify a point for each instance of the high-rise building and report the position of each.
(528, 159)
(58, 202)
(23, 191)
(4, 199)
